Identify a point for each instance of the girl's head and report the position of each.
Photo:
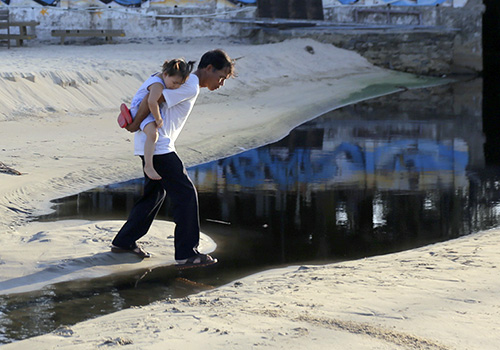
(175, 72)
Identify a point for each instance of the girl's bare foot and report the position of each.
(151, 173)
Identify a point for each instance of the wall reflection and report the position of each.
(379, 176)
(383, 175)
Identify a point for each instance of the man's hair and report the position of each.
(218, 59)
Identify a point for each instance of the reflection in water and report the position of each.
(325, 193)
(352, 183)
(380, 176)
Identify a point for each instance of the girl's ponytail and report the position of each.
(178, 67)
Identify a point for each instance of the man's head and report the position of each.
(214, 68)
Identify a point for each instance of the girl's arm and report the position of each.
(155, 93)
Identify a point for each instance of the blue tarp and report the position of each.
(245, 1)
(412, 3)
(347, 2)
(47, 2)
(130, 3)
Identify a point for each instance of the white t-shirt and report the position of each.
(175, 111)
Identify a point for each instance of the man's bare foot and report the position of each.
(151, 173)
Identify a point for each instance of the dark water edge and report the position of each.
(491, 80)
(381, 176)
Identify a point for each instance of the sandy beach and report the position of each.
(58, 129)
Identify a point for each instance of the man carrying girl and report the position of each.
(175, 105)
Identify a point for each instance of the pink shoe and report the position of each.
(124, 118)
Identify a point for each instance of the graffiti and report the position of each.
(408, 162)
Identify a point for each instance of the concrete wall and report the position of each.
(453, 46)
(430, 40)
(161, 18)
(457, 38)
(467, 46)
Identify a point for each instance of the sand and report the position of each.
(58, 128)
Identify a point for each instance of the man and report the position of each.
(213, 69)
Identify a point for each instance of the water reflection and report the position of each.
(381, 176)
(328, 154)
(353, 183)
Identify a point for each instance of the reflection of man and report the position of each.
(214, 68)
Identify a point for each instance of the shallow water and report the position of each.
(380, 176)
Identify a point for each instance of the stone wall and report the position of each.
(467, 46)
(423, 52)
(425, 40)
(188, 19)
(460, 24)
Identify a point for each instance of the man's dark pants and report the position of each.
(177, 185)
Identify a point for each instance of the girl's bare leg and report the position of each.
(149, 148)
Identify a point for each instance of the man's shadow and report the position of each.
(56, 272)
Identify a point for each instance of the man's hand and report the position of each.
(133, 127)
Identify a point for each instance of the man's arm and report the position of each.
(142, 113)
